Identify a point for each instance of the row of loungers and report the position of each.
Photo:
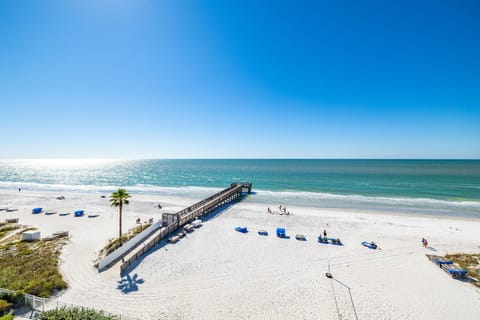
(281, 233)
(448, 266)
(77, 213)
(188, 228)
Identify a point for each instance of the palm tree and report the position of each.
(118, 199)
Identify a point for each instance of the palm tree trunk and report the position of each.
(120, 224)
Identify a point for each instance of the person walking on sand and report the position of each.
(324, 233)
(424, 242)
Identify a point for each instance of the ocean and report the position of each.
(434, 187)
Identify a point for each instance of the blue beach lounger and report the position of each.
(263, 232)
(370, 245)
(78, 213)
(37, 210)
(336, 241)
(441, 261)
(454, 270)
(322, 239)
(241, 229)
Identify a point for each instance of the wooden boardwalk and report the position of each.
(174, 221)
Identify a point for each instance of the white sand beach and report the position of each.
(217, 273)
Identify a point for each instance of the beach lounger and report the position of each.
(63, 214)
(263, 232)
(11, 209)
(335, 241)
(11, 220)
(50, 212)
(322, 239)
(370, 245)
(441, 261)
(241, 229)
(181, 234)
(37, 210)
(197, 223)
(300, 237)
(79, 213)
(93, 215)
(188, 228)
(173, 239)
(454, 270)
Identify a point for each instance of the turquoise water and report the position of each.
(445, 186)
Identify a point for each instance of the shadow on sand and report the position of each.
(128, 284)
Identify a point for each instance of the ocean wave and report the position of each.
(265, 196)
(354, 198)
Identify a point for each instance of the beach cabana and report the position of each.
(370, 245)
(241, 229)
(36, 210)
(79, 213)
(263, 232)
(30, 235)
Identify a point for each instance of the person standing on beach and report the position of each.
(324, 233)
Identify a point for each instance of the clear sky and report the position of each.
(240, 79)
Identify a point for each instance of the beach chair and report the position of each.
(93, 215)
(335, 241)
(241, 229)
(263, 232)
(370, 245)
(322, 239)
(79, 213)
(37, 210)
(454, 270)
(173, 239)
(50, 212)
(300, 237)
(63, 214)
(281, 233)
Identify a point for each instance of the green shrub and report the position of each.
(4, 306)
(75, 314)
(16, 299)
(7, 317)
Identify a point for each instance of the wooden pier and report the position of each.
(172, 222)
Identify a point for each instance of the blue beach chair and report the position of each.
(281, 233)
(78, 213)
(263, 232)
(370, 245)
(241, 229)
(37, 210)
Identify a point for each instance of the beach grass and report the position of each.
(76, 313)
(469, 262)
(31, 267)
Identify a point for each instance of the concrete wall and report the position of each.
(129, 245)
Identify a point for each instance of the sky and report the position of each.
(239, 79)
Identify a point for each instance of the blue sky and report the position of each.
(240, 79)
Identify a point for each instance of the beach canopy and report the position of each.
(78, 213)
(281, 232)
(36, 210)
(241, 229)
